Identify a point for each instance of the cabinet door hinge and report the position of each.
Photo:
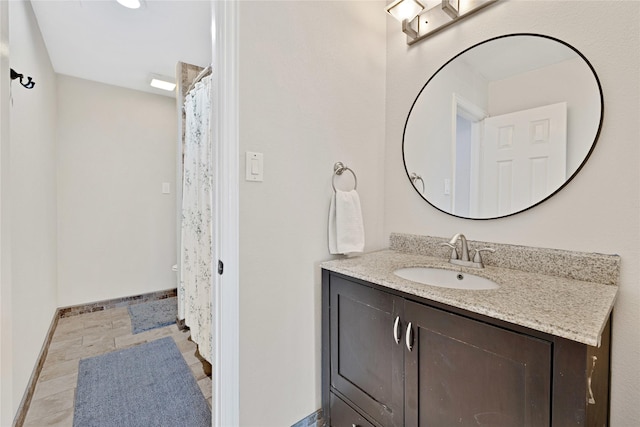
(220, 267)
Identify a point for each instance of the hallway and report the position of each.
(91, 334)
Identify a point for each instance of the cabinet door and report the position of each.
(464, 372)
(366, 361)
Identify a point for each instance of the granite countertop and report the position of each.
(569, 308)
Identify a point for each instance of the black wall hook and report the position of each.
(29, 84)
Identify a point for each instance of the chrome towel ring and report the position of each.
(338, 169)
(414, 177)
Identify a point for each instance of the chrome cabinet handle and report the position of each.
(409, 337)
(396, 330)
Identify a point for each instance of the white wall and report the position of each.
(6, 315)
(600, 209)
(312, 78)
(116, 230)
(435, 124)
(32, 197)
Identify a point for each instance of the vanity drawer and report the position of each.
(342, 415)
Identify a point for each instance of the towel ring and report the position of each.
(338, 169)
(414, 179)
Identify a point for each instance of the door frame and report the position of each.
(225, 296)
(475, 114)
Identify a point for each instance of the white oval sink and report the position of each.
(445, 278)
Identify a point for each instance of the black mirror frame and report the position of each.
(584, 161)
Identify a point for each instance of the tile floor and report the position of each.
(92, 334)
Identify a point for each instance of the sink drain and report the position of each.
(460, 276)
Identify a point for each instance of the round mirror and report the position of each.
(502, 126)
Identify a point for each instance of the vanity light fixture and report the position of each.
(130, 4)
(420, 21)
(162, 82)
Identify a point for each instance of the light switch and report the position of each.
(254, 167)
(166, 188)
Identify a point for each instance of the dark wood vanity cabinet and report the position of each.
(392, 361)
(366, 361)
(460, 371)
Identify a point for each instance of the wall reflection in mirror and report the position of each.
(502, 126)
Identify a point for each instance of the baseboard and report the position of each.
(75, 310)
(312, 420)
(21, 414)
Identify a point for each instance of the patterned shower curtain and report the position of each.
(196, 254)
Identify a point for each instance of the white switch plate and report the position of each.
(166, 188)
(254, 167)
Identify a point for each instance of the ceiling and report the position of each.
(103, 41)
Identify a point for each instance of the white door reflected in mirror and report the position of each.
(522, 160)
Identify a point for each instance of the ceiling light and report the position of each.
(131, 4)
(161, 82)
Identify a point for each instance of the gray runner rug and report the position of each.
(153, 314)
(149, 385)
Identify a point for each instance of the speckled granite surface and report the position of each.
(590, 267)
(567, 307)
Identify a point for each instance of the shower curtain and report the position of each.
(197, 217)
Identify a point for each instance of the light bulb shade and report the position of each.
(131, 4)
(405, 9)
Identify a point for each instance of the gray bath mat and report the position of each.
(154, 314)
(146, 385)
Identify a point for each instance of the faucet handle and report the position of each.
(454, 251)
(477, 257)
(455, 238)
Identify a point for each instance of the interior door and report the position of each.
(523, 158)
(462, 372)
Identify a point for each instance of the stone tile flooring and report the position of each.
(92, 334)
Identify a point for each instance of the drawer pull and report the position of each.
(396, 330)
(409, 337)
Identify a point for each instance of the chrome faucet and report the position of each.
(463, 258)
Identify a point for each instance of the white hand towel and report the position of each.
(346, 229)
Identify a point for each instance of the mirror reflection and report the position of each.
(502, 126)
